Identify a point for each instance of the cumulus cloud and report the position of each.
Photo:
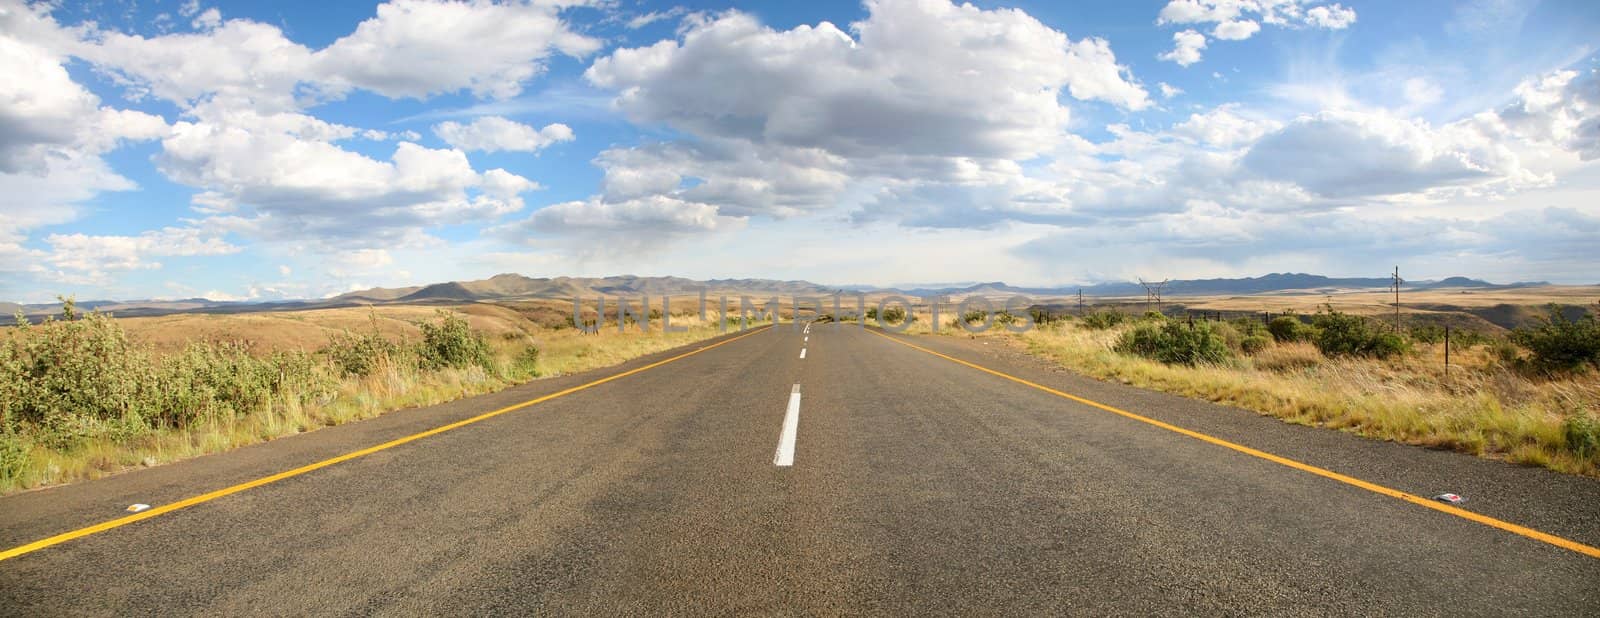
(1286, 13)
(1186, 46)
(923, 89)
(1353, 154)
(493, 134)
(53, 133)
(281, 176)
(265, 167)
(97, 255)
(1223, 127)
(1235, 30)
(1237, 21)
(1332, 17)
(418, 48)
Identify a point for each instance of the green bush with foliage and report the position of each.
(1102, 320)
(1342, 334)
(1253, 344)
(451, 342)
(1559, 343)
(1288, 328)
(527, 362)
(1582, 433)
(1175, 343)
(362, 354)
(79, 376)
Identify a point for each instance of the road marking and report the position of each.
(228, 491)
(802, 352)
(791, 426)
(1593, 552)
(806, 339)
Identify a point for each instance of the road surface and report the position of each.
(867, 477)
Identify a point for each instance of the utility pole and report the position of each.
(1080, 302)
(1152, 291)
(1396, 285)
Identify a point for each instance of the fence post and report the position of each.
(1447, 350)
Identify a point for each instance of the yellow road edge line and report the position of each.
(228, 491)
(1592, 552)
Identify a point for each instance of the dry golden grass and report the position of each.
(1375, 302)
(392, 387)
(1480, 407)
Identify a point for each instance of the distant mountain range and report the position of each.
(1266, 284)
(512, 286)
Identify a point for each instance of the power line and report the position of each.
(1152, 291)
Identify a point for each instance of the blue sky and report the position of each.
(298, 150)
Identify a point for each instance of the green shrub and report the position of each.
(1253, 344)
(1174, 342)
(1101, 320)
(1506, 352)
(451, 342)
(1427, 333)
(1558, 343)
(1582, 433)
(527, 361)
(360, 355)
(1464, 339)
(1342, 334)
(1153, 315)
(1286, 328)
(67, 376)
(1249, 326)
(13, 456)
(79, 376)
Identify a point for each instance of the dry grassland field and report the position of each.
(1490, 401)
(205, 355)
(351, 363)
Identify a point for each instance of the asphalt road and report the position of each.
(918, 485)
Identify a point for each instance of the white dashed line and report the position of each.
(802, 352)
(791, 426)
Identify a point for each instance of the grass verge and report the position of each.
(1484, 406)
(81, 399)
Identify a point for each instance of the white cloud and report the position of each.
(1168, 90)
(265, 168)
(1235, 30)
(1332, 17)
(925, 91)
(645, 19)
(418, 48)
(1285, 13)
(1236, 20)
(1097, 76)
(285, 170)
(493, 133)
(1421, 91)
(53, 133)
(1186, 46)
(1223, 127)
(96, 255)
(1350, 154)
(967, 81)
(208, 20)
